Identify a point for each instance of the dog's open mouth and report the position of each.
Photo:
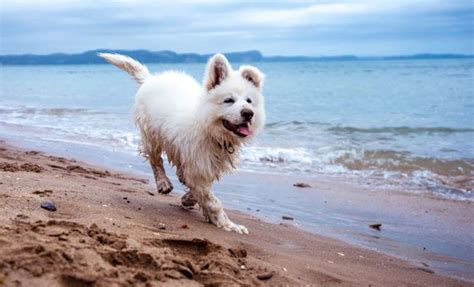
(242, 130)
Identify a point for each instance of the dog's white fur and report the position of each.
(185, 120)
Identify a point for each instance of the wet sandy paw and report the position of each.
(164, 186)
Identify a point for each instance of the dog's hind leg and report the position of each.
(163, 183)
(213, 211)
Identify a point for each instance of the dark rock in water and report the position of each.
(48, 206)
(265, 276)
(285, 217)
(426, 270)
(302, 185)
(376, 226)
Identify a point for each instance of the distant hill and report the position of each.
(145, 56)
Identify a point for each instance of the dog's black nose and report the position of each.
(246, 114)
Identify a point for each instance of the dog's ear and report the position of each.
(218, 69)
(253, 75)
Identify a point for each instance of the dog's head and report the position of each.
(234, 105)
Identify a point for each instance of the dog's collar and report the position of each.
(227, 146)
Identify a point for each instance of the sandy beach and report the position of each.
(112, 229)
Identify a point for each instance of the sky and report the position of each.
(311, 28)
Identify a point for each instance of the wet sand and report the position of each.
(112, 229)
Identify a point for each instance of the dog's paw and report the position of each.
(164, 186)
(240, 229)
(187, 201)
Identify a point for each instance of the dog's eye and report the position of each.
(229, 101)
(249, 100)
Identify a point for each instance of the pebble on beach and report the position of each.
(48, 206)
(265, 276)
(302, 185)
(376, 226)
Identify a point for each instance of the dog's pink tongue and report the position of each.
(244, 130)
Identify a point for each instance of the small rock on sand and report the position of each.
(286, 217)
(265, 276)
(376, 226)
(48, 206)
(302, 185)
(238, 252)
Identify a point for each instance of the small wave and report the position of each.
(24, 111)
(404, 162)
(401, 130)
(276, 155)
(449, 177)
(294, 124)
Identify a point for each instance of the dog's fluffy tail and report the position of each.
(138, 71)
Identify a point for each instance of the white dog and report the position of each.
(200, 128)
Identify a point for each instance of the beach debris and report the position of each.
(331, 262)
(150, 193)
(14, 167)
(302, 185)
(341, 254)
(42, 193)
(184, 226)
(284, 269)
(242, 267)
(238, 252)
(162, 226)
(286, 217)
(426, 270)
(376, 226)
(21, 216)
(48, 206)
(265, 276)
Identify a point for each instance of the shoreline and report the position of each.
(423, 229)
(80, 192)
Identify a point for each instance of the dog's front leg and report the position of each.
(213, 211)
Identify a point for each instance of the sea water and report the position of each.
(388, 123)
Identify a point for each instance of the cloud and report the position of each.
(277, 27)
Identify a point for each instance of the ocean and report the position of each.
(405, 123)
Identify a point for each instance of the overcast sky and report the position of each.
(359, 27)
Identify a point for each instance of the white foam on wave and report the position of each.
(290, 159)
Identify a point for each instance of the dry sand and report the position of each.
(109, 230)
